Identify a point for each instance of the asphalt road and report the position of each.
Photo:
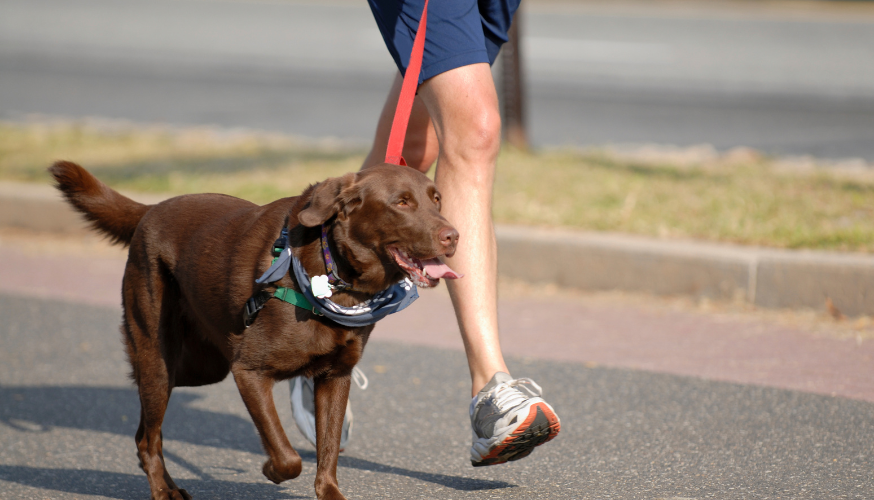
(68, 415)
(786, 83)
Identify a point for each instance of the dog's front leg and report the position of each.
(331, 397)
(257, 391)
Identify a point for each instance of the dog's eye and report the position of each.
(405, 199)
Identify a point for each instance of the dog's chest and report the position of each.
(318, 348)
(343, 346)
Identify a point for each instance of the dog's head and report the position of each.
(386, 225)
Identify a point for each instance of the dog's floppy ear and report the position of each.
(330, 197)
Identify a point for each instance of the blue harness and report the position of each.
(391, 300)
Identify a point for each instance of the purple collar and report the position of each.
(334, 277)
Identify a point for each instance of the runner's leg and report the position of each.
(463, 106)
(467, 131)
(509, 418)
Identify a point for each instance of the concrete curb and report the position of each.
(765, 277)
(597, 261)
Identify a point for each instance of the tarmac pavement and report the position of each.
(68, 416)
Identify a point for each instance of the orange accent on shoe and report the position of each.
(554, 428)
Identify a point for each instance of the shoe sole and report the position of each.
(541, 426)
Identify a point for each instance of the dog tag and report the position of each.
(320, 286)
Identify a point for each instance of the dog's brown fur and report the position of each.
(192, 265)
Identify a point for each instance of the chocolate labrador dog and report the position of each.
(191, 269)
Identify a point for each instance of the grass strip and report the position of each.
(751, 200)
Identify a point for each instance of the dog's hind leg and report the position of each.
(150, 319)
(256, 388)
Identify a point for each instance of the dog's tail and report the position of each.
(108, 211)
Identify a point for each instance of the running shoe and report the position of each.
(303, 407)
(509, 419)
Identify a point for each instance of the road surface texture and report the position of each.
(656, 402)
(791, 79)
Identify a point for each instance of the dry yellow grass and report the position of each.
(256, 166)
(746, 199)
(750, 202)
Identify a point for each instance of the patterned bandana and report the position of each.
(391, 300)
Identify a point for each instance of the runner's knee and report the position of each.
(478, 138)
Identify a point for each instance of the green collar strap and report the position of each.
(294, 297)
(257, 301)
(291, 295)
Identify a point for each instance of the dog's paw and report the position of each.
(329, 492)
(278, 474)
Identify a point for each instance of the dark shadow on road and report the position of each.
(454, 482)
(132, 486)
(116, 410)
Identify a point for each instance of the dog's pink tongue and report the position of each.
(436, 269)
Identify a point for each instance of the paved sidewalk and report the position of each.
(589, 328)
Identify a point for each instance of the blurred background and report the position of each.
(735, 121)
(685, 218)
(783, 77)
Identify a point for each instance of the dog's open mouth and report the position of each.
(423, 272)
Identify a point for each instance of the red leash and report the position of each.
(395, 149)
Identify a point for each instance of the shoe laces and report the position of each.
(507, 394)
(359, 378)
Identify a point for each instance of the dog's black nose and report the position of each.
(448, 237)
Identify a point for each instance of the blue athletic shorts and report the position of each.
(460, 32)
